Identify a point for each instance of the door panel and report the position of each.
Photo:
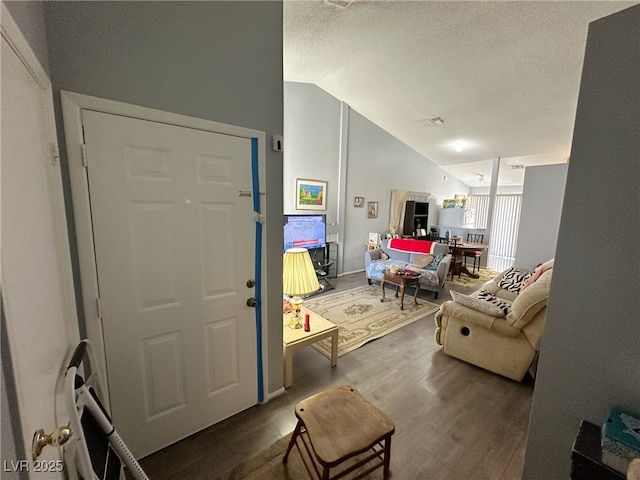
(37, 292)
(222, 341)
(164, 383)
(174, 249)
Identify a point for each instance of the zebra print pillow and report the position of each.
(513, 279)
(476, 304)
(504, 307)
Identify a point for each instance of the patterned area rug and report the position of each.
(464, 281)
(361, 316)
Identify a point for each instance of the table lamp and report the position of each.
(298, 278)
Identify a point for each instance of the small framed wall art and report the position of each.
(311, 194)
(358, 202)
(372, 209)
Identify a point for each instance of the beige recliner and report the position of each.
(508, 345)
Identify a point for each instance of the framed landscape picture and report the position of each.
(311, 194)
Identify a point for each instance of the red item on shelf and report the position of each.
(307, 325)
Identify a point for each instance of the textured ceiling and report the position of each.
(504, 76)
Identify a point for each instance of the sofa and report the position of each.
(411, 255)
(499, 326)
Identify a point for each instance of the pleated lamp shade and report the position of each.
(298, 275)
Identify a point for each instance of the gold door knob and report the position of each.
(251, 302)
(58, 437)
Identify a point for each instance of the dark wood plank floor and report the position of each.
(453, 421)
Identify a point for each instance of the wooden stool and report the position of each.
(337, 425)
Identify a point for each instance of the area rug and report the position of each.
(362, 317)
(267, 465)
(465, 281)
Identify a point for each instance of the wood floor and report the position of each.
(453, 421)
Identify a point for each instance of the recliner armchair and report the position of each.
(506, 345)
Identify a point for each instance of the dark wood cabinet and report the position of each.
(416, 218)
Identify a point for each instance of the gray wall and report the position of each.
(326, 140)
(540, 215)
(220, 61)
(29, 17)
(590, 358)
(377, 163)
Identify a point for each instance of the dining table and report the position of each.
(457, 250)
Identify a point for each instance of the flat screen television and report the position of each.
(306, 231)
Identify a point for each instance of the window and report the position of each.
(504, 234)
(480, 204)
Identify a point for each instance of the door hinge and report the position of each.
(55, 154)
(83, 148)
(99, 307)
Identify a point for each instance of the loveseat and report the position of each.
(430, 259)
(498, 327)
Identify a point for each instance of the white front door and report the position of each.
(37, 285)
(174, 235)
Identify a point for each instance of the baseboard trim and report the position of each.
(276, 394)
(352, 271)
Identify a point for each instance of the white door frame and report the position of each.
(72, 106)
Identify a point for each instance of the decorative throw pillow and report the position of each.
(383, 255)
(477, 304)
(513, 279)
(422, 261)
(436, 261)
(498, 302)
(540, 269)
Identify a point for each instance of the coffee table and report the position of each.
(401, 282)
(292, 339)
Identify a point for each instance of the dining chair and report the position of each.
(456, 256)
(475, 254)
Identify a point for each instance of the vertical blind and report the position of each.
(479, 203)
(506, 218)
(504, 234)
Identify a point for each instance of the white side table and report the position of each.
(372, 245)
(295, 338)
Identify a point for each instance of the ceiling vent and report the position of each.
(339, 3)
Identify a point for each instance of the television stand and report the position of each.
(322, 267)
(322, 274)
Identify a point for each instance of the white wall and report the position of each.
(326, 140)
(590, 357)
(540, 215)
(311, 144)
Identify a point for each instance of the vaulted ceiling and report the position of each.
(503, 76)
